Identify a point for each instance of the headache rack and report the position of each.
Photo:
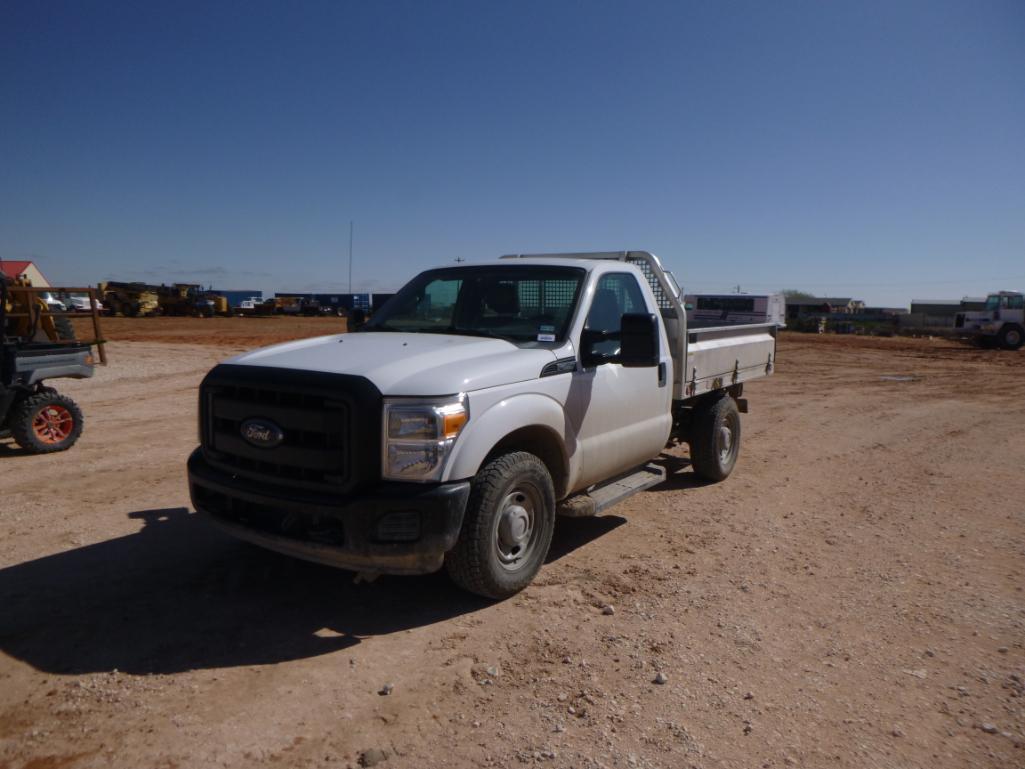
(663, 285)
(706, 359)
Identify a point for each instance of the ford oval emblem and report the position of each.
(262, 433)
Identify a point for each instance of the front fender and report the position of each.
(502, 417)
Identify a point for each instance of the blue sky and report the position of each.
(874, 149)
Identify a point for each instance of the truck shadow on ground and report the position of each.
(573, 533)
(180, 595)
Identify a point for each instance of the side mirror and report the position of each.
(638, 340)
(635, 345)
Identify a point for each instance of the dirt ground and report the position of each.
(244, 333)
(851, 597)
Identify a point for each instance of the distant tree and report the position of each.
(793, 293)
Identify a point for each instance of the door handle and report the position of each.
(662, 374)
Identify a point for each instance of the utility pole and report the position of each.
(350, 255)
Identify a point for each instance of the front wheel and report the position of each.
(46, 422)
(715, 439)
(507, 529)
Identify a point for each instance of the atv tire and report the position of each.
(46, 422)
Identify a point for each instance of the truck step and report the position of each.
(603, 496)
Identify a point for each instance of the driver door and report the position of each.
(623, 415)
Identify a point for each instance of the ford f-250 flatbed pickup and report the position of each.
(477, 405)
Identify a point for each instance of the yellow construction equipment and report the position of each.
(28, 315)
(129, 299)
(191, 299)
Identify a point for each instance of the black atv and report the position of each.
(40, 419)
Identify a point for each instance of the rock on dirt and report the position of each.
(372, 757)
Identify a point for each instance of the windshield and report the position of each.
(993, 302)
(521, 303)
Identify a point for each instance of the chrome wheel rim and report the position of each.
(1013, 337)
(516, 530)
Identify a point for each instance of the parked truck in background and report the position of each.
(1001, 323)
(478, 404)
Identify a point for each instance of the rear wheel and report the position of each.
(507, 528)
(46, 422)
(715, 438)
(1012, 336)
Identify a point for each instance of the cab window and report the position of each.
(616, 293)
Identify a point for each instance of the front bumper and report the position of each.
(394, 528)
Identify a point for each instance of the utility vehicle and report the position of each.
(36, 346)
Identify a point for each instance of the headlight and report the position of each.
(418, 436)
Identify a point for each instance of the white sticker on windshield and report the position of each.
(546, 337)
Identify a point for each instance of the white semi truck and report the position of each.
(1002, 322)
(479, 403)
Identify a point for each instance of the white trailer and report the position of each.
(729, 309)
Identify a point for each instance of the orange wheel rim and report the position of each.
(53, 424)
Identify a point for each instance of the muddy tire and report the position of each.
(46, 422)
(507, 529)
(1012, 336)
(715, 439)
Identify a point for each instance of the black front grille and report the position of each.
(330, 424)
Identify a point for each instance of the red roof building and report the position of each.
(14, 268)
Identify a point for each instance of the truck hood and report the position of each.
(408, 364)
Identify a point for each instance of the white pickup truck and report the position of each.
(477, 405)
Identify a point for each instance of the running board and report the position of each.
(599, 498)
